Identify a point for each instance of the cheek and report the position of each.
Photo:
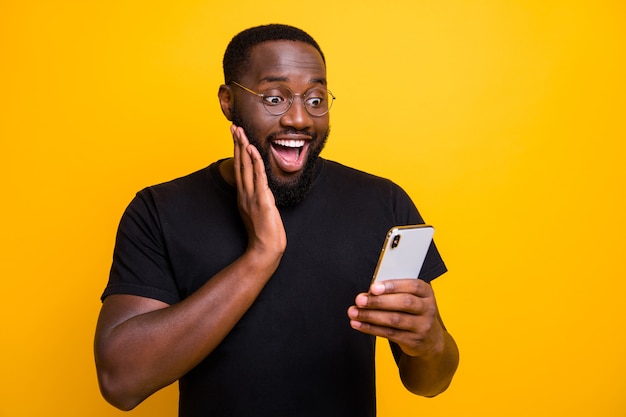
(252, 121)
(322, 125)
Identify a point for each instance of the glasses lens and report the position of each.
(277, 100)
(317, 101)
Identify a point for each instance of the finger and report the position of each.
(258, 168)
(390, 333)
(399, 330)
(392, 325)
(411, 343)
(414, 286)
(236, 155)
(244, 173)
(377, 318)
(401, 302)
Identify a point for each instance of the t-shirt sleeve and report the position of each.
(407, 213)
(140, 262)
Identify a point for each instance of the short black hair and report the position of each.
(237, 53)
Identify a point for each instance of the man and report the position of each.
(235, 280)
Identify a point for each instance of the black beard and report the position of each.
(293, 191)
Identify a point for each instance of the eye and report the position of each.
(314, 101)
(316, 98)
(274, 97)
(273, 100)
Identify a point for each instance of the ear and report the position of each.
(227, 100)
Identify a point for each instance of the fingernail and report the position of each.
(377, 288)
(361, 300)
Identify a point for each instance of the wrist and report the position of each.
(262, 259)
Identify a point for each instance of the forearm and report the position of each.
(431, 374)
(150, 350)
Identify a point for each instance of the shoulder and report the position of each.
(340, 172)
(190, 181)
(361, 192)
(191, 186)
(349, 179)
(189, 193)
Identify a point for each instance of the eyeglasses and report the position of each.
(317, 101)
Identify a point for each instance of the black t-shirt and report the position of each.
(293, 353)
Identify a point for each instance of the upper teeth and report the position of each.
(290, 143)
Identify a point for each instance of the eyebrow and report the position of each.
(270, 79)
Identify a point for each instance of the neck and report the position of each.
(228, 171)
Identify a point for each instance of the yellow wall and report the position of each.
(503, 119)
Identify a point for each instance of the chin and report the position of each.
(285, 179)
(290, 190)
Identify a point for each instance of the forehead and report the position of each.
(285, 61)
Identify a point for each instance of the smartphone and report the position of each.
(403, 252)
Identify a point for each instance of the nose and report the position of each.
(297, 116)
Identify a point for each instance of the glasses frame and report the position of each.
(293, 96)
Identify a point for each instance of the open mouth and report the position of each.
(289, 150)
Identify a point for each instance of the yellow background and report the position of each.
(504, 120)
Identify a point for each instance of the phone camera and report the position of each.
(395, 242)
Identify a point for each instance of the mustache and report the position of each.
(290, 131)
